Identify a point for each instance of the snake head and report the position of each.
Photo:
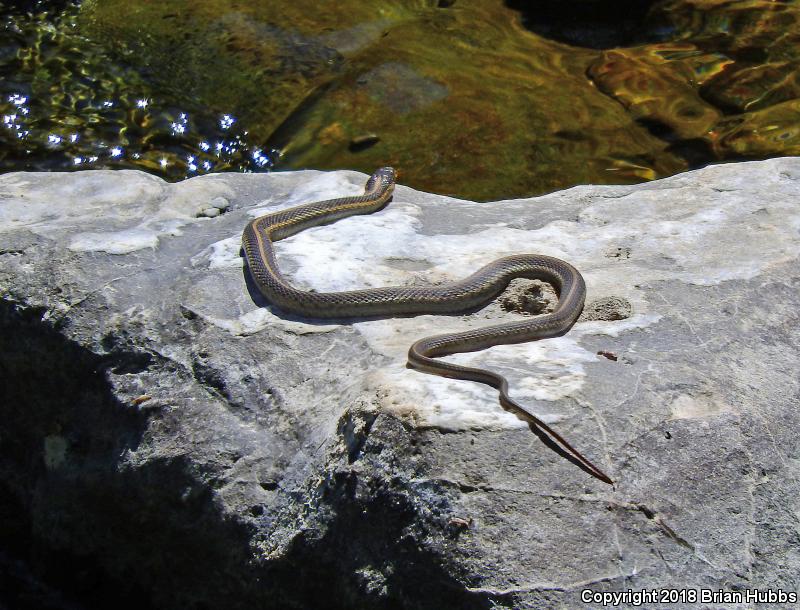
(380, 180)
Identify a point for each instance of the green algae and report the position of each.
(65, 105)
(242, 58)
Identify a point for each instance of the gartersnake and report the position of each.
(476, 290)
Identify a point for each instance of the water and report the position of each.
(65, 105)
(482, 99)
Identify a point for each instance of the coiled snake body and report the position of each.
(467, 294)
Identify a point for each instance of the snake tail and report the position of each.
(421, 357)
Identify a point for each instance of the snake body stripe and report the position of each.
(464, 295)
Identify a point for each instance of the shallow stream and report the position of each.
(481, 99)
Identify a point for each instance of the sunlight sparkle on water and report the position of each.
(181, 125)
(260, 158)
(225, 142)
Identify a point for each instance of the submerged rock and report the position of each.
(170, 437)
(461, 97)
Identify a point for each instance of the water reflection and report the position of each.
(64, 106)
(480, 99)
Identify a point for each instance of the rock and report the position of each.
(630, 75)
(170, 439)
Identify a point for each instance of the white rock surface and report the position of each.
(331, 458)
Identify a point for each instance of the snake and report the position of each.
(465, 295)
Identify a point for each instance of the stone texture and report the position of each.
(171, 440)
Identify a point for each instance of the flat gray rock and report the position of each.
(167, 429)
